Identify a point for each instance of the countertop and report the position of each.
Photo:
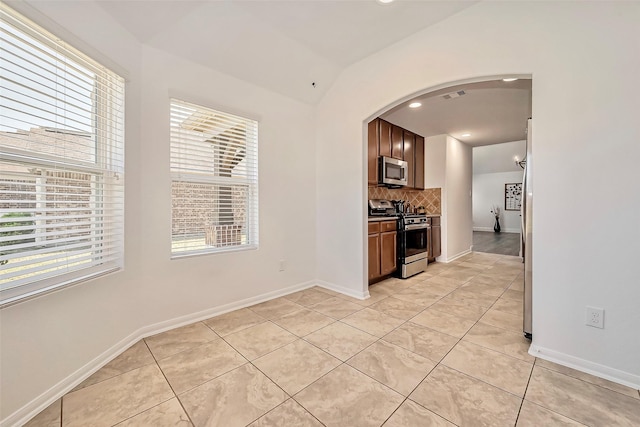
(381, 218)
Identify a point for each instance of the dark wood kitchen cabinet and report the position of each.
(397, 136)
(382, 249)
(389, 140)
(409, 155)
(434, 239)
(388, 254)
(419, 163)
(374, 256)
(378, 144)
(385, 138)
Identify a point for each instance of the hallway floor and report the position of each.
(496, 243)
(443, 348)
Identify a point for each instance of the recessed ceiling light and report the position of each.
(465, 135)
(385, 1)
(415, 105)
(510, 79)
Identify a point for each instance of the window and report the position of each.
(61, 162)
(214, 181)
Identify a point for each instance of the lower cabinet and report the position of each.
(374, 256)
(388, 254)
(434, 239)
(382, 249)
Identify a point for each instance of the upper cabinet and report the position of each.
(409, 155)
(385, 137)
(397, 135)
(419, 165)
(389, 140)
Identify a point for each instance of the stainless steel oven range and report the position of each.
(412, 244)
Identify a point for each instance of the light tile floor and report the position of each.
(443, 348)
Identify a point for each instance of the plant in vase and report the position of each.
(495, 210)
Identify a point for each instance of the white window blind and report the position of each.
(61, 162)
(214, 180)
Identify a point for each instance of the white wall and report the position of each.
(458, 189)
(435, 176)
(488, 190)
(435, 153)
(499, 157)
(50, 340)
(448, 166)
(582, 57)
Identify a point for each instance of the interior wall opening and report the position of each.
(487, 111)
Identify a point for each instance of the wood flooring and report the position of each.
(496, 243)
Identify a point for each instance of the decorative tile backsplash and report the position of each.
(430, 198)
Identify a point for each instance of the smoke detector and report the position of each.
(452, 95)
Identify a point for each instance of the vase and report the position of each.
(496, 226)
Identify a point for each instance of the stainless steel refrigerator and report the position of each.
(527, 246)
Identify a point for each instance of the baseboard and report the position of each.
(601, 371)
(454, 257)
(341, 289)
(31, 409)
(222, 309)
(504, 230)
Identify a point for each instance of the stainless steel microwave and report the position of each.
(392, 171)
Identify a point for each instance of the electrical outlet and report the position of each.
(283, 265)
(595, 317)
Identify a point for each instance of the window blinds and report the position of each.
(61, 162)
(214, 186)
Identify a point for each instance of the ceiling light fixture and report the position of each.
(464, 135)
(510, 79)
(415, 105)
(385, 1)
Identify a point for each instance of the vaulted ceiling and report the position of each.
(299, 48)
(284, 46)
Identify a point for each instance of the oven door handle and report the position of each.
(416, 226)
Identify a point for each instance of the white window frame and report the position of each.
(196, 162)
(98, 246)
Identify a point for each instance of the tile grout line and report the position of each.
(274, 383)
(120, 374)
(525, 390)
(61, 409)
(175, 395)
(250, 362)
(75, 389)
(285, 401)
(542, 406)
(290, 396)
